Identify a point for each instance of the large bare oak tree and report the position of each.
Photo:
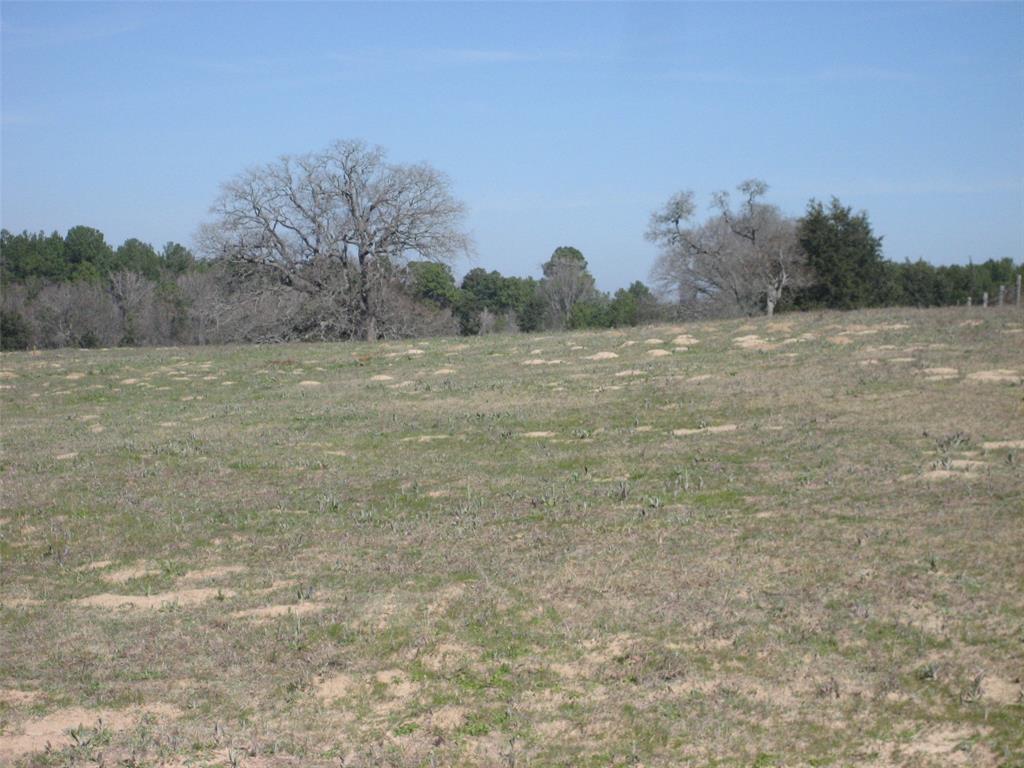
(739, 259)
(337, 222)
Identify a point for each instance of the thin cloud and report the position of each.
(866, 74)
(44, 37)
(450, 56)
(839, 75)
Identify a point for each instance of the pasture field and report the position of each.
(785, 542)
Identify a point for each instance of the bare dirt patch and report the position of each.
(138, 571)
(181, 597)
(309, 383)
(997, 376)
(52, 730)
(268, 612)
(448, 717)
(216, 572)
(709, 430)
(382, 377)
(997, 445)
(17, 698)
(335, 687)
(753, 341)
(658, 352)
(538, 434)
(602, 356)
(94, 566)
(1001, 691)
(940, 374)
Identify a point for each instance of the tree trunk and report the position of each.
(369, 318)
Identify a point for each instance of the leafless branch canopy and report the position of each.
(738, 260)
(344, 213)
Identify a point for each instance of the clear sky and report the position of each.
(559, 124)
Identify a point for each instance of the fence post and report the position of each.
(1002, 293)
(984, 299)
(968, 301)
(1018, 290)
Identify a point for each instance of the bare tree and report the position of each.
(338, 221)
(741, 259)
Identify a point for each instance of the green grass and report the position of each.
(794, 591)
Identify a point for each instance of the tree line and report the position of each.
(342, 244)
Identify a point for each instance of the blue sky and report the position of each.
(559, 124)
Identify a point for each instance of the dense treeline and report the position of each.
(848, 270)
(341, 244)
(77, 290)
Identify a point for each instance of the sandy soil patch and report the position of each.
(444, 371)
(448, 717)
(182, 597)
(1000, 691)
(424, 438)
(840, 340)
(409, 352)
(941, 371)
(138, 571)
(685, 340)
(445, 597)
(94, 566)
(307, 383)
(997, 376)
(943, 743)
(539, 361)
(52, 729)
(653, 342)
(966, 464)
(538, 434)
(997, 445)
(398, 685)
(66, 456)
(335, 687)
(701, 430)
(382, 377)
(937, 475)
(658, 352)
(17, 698)
(217, 572)
(20, 602)
(75, 375)
(8, 375)
(602, 356)
(447, 656)
(753, 341)
(630, 372)
(268, 612)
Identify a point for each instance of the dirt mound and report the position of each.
(52, 730)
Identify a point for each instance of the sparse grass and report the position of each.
(836, 581)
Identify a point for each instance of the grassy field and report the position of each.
(788, 542)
